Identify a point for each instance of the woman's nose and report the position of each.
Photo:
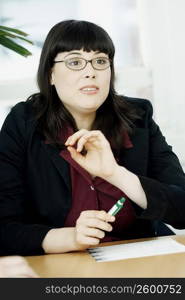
(89, 71)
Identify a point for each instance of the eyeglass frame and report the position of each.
(87, 61)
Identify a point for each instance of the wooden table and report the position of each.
(82, 265)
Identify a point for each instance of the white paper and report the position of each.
(138, 249)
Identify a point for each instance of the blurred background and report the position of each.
(150, 52)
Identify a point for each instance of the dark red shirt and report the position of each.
(96, 194)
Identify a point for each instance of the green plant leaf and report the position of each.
(5, 33)
(20, 32)
(6, 42)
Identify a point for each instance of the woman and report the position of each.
(73, 149)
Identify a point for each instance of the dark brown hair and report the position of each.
(113, 117)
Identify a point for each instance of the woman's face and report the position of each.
(81, 91)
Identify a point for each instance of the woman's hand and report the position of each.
(90, 228)
(99, 159)
(15, 266)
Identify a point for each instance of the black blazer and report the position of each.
(35, 186)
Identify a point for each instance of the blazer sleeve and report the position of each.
(165, 184)
(16, 236)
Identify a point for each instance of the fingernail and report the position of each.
(78, 149)
(110, 228)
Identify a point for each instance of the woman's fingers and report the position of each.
(73, 138)
(82, 141)
(86, 240)
(95, 223)
(83, 135)
(90, 232)
(99, 214)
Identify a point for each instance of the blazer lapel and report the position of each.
(135, 159)
(60, 164)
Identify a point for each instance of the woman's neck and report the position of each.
(85, 121)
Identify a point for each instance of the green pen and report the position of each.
(116, 207)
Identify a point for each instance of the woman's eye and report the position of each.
(75, 62)
(101, 61)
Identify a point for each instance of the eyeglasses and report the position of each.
(78, 63)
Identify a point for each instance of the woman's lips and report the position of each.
(89, 90)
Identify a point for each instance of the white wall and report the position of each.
(162, 35)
